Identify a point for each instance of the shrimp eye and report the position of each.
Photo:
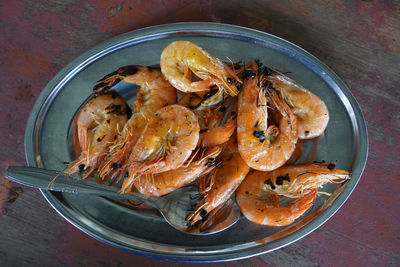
(203, 214)
(250, 73)
(210, 162)
(260, 135)
(81, 168)
(116, 165)
(331, 166)
(230, 80)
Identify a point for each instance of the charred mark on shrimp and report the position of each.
(108, 75)
(151, 68)
(280, 179)
(128, 70)
(270, 183)
(304, 173)
(100, 85)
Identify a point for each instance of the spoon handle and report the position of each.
(42, 179)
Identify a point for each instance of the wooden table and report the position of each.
(359, 40)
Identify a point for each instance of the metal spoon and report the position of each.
(174, 207)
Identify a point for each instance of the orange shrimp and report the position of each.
(311, 111)
(298, 180)
(154, 93)
(98, 125)
(261, 205)
(213, 131)
(223, 182)
(181, 58)
(166, 143)
(165, 182)
(264, 147)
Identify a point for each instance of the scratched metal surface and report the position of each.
(359, 40)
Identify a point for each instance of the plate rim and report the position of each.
(75, 66)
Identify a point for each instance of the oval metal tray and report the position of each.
(48, 141)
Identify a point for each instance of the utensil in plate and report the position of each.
(173, 207)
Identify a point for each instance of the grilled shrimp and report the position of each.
(298, 180)
(223, 182)
(154, 93)
(312, 113)
(217, 134)
(165, 182)
(98, 125)
(166, 143)
(261, 205)
(258, 198)
(180, 59)
(264, 147)
(213, 130)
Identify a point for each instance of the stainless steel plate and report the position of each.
(48, 141)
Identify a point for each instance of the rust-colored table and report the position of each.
(359, 40)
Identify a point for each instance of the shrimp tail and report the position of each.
(111, 79)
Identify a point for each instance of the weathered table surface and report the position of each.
(359, 40)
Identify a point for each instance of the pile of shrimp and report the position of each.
(234, 129)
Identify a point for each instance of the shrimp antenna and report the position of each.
(191, 158)
(230, 60)
(58, 175)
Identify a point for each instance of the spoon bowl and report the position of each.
(174, 207)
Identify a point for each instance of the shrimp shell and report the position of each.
(165, 182)
(166, 143)
(311, 111)
(181, 57)
(297, 180)
(98, 123)
(224, 181)
(155, 92)
(264, 147)
(262, 205)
